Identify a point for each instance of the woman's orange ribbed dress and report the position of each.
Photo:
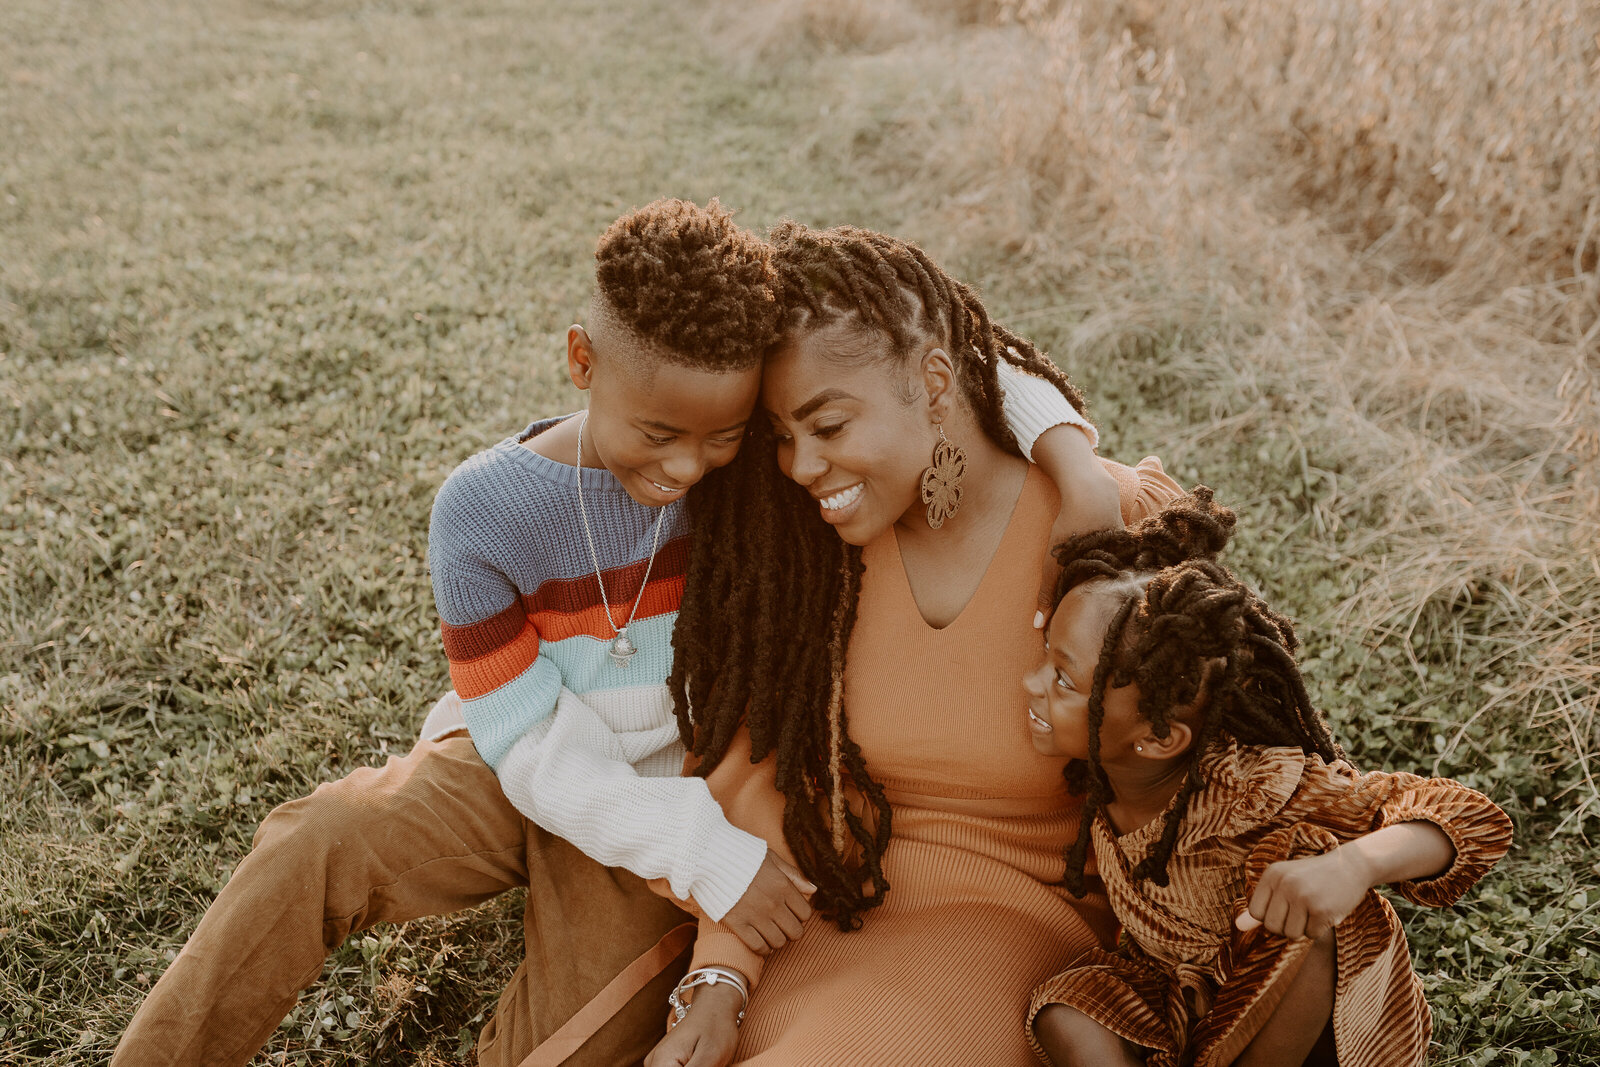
(940, 973)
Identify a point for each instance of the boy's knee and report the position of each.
(315, 822)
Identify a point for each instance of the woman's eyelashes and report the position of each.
(824, 432)
(1064, 682)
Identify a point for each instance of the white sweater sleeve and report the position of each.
(573, 775)
(1033, 405)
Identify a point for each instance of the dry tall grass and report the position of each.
(1369, 226)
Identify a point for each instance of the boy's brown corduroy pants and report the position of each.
(426, 834)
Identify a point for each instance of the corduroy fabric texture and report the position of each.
(1194, 989)
(975, 916)
(426, 834)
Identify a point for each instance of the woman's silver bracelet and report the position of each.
(707, 976)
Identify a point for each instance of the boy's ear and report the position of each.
(580, 356)
(938, 382)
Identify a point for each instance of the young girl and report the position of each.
(1239, 850)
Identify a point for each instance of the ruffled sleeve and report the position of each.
(1351, 804)
(1475, 825)
(1144, 489)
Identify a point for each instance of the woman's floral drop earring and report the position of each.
(941, 482)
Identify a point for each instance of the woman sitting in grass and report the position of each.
(846, 664)
(1238, 848)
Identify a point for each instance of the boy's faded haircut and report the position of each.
(695, 288)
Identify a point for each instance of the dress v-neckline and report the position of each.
(903, 580)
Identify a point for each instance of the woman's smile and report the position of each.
(849, 430)
(837, 507)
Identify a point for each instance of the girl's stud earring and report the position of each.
(1138, 748)
(941, 482)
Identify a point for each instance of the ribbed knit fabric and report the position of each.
(1195, 989)
(1033, 405)
(975, 915)
(526, 635)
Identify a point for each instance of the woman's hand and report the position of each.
(707, 1035)
(773, 909)
(1090, 499)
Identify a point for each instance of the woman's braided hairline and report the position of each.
(1181, 611)
(771, 592)
(691, 283)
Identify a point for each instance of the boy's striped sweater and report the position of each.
(584, 748)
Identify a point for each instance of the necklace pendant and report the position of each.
(622, 649)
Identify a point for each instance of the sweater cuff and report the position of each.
(718, 947)
(1034, 405)
(728, 864)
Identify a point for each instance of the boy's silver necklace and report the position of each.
(622, 649)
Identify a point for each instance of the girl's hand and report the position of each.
(707, 1035)
(1307, 897)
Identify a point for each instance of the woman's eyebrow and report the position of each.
(824, 397)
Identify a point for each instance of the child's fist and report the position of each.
(772, 910)
(1307, 897)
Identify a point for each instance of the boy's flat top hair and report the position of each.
(689, 284)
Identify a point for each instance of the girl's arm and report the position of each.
(1310, 896)
(1431, 838)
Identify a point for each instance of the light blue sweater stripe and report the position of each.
(496, 719)
(583, 664)
(586, 666)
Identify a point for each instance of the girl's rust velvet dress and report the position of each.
(1192, 988)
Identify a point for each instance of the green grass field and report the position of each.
(269, 270)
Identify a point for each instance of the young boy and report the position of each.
(684, 307)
